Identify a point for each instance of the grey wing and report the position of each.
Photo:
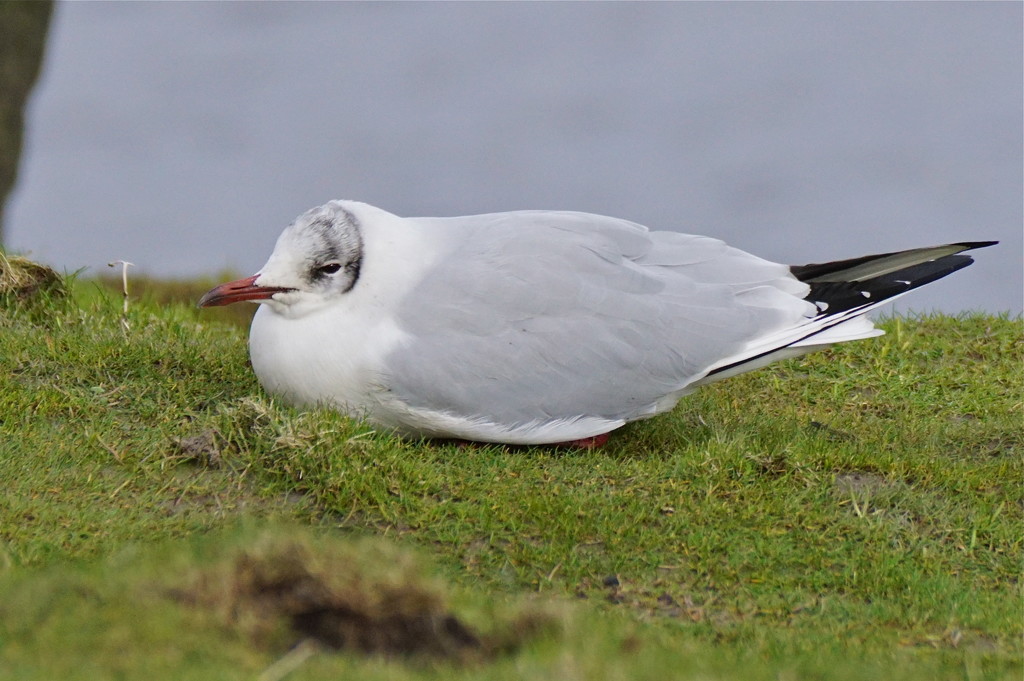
(536, 317)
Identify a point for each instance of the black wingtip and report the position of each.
(840, 296)
(838, 270)
(971, 245)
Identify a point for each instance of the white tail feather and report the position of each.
(814, 334)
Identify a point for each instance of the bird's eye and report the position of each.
(329, 268)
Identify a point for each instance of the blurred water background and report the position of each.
(184, 136)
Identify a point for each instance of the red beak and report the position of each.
(237, 291)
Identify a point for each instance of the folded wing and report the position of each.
(598, 320)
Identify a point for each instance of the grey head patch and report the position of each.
(331, 238)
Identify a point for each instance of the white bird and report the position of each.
(537, 327)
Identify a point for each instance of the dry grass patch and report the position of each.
(23, 281)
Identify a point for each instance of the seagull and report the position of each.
(537, 327)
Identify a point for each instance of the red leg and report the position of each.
(586, 443)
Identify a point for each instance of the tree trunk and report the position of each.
(23, 25)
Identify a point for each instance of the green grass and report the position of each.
(853, 514)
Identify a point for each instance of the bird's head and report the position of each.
(316, 259)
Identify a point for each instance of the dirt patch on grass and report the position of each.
(363, 616)
(861, 482)
(829, 433)
(663, 598)
(199, 448)
(361, 600)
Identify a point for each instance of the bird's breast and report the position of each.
(323, 359)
